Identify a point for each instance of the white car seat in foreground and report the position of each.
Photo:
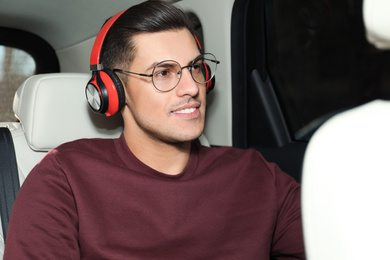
(345, 186)
(377, 22)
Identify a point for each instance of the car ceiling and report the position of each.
(60, 23)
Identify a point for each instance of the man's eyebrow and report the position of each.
(191, 61)
(151, 67)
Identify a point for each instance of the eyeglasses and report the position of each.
(167, 74)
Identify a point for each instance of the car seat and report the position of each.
(345, 194)
(51, 109)
(346, 172)
(377, 22)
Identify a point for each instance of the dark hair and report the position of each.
(148, 17)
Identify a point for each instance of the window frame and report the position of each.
(265, 129)
(45, 57)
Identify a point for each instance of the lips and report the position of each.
(185, 111)
(188, 110)
(188, 107)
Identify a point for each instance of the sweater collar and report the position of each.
(134, 164)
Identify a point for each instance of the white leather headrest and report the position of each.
(345, 186)
(52, 109)
(377, 22)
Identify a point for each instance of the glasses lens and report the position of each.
(166, 75)
(204, 68)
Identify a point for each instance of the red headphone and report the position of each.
(211, 83)
(104, 91)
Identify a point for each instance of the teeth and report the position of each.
(186, 111)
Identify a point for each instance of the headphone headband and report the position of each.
(94, 63)
(198, 43)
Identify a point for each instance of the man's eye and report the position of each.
(196, 68)
(162, 73)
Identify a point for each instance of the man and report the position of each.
(154, 193)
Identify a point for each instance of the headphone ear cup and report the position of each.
(119, 89)
(211, 83)
(105, 93)
(96, 94)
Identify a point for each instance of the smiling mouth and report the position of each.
(185, 111)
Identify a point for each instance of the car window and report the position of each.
(320, 62)
(22, 54)
(296, 63)
(15, 66)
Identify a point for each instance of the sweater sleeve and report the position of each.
(43, 222)
(288, 238)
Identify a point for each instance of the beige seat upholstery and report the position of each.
(52, 110)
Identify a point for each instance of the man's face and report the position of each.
(170, 117)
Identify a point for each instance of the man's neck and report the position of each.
(165, 157)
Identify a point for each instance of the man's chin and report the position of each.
(183, 138)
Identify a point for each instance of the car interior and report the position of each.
(286, 68)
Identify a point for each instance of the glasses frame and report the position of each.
(181, 69)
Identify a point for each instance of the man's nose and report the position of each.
(187, 85)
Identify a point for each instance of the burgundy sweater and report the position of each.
(93, 199)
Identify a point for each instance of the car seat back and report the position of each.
(51, 109)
